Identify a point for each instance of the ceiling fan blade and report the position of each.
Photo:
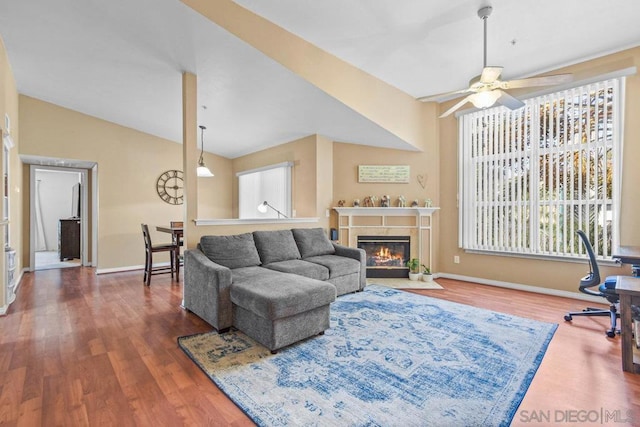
(509, 101)
(441, 97)
(538, 81)
(455, 107)
(490, 74)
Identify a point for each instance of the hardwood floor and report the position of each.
(79, 349)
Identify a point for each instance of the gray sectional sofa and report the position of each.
(275, 286)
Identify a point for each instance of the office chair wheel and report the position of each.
(568, 317)
(611, 333)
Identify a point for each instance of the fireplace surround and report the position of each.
(414, 221)
(386, 256)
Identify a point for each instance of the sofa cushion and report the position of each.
(337, 265)
(300, 267)
(274, 295)
(312, 242)
(276, 245)
(231, 251)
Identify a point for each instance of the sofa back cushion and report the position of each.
(231, 251)
(276, 245)
(312, 242)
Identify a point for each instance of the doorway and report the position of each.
(59, 209)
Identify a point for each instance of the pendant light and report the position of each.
(202, 170)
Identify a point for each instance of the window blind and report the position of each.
(271, 184)
(530, 178)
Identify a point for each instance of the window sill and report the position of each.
(581, 260)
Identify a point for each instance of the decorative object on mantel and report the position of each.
(369, 202)
(422, 180)
(390, 174)
(414, 204)
(402, 202)
(385, 201)
(356, 203)
(341, 203)
(428, 203)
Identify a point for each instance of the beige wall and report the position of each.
(302, 153)
(546, 274)
(347, 158)
(312, 188)
(9, 106)
(215, 195)
(324, 178)
(129, 163)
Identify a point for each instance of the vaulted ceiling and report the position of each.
(122, 60)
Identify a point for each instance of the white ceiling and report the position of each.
(121, 60)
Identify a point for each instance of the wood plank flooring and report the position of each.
(78, 349)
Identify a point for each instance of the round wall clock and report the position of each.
(170, 187)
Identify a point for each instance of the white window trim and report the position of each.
(266, 168)
(287, 209)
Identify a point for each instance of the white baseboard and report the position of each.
(527, 288)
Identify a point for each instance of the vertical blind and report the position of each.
(271, 184)
(530, 178)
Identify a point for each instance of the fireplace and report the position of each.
(386, 255)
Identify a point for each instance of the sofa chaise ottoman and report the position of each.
(275, 286)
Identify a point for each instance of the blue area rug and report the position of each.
(390, 358)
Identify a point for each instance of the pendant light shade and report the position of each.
(202, 170)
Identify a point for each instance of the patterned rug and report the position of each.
(390, 358)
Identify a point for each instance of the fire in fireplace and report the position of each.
(386, 255)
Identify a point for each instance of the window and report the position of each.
(530, 178)
(271, 184)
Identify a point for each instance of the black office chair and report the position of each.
(606, 290)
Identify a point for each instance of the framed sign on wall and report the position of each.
(391, 174)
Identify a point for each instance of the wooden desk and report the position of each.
(176, 235)
(628, 287)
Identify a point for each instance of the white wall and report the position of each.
(55, 201)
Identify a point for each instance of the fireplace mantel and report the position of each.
(348, 225)
(361, 211)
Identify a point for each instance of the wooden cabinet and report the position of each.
(69, 239)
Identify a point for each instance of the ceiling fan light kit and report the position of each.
(486, 89)
(484, 99)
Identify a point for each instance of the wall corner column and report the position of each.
(190, 156)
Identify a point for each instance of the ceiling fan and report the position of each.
(487, 88)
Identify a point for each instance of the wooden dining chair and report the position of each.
(150, 249)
